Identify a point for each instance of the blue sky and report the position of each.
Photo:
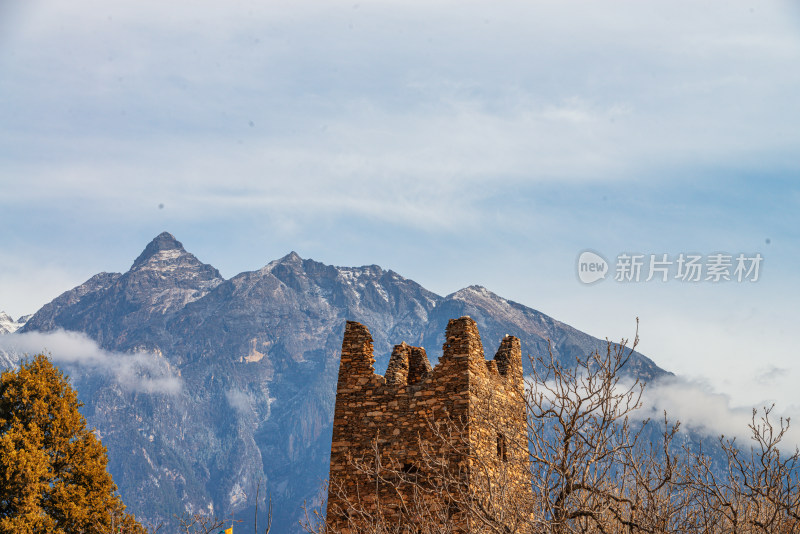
(456, 143)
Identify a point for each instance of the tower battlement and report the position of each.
(398, 412)
(409, 365)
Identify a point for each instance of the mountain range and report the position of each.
(204, 387)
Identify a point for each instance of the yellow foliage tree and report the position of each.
(53, 476)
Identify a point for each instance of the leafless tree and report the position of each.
(269, 511)
(199, 523)
(759, 490)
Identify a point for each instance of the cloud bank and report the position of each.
(407, 102)
(698, 407)
(143, 372)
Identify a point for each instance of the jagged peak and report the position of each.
(480, 296)
(163, 241)
(474, 290)
(8, 324)
(292, 257)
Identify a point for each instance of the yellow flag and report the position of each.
(229, 530)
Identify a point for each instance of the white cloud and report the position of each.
(239, 400)
(697, 406)
(140, 371)
(385, 110)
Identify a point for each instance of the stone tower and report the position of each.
(399, 439)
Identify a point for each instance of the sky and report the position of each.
(455, 143)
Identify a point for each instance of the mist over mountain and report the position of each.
(251, 363)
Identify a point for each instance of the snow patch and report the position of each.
(237, 495)
(149, 461)
(348, 276)
(165, 255)
(355, 277)
(166, 261)
(382, 292)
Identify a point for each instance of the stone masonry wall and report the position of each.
(466, 410)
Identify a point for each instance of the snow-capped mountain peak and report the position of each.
(8, 325)
(163, 248)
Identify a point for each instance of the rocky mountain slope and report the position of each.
(255, 359)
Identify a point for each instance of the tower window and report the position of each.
(410, 468)
(501, 447)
